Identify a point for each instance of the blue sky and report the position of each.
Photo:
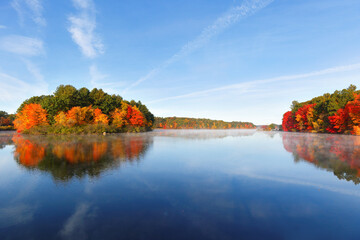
(222, 59)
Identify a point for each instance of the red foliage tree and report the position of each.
(288, 122)
(346, 120)
(304, 117)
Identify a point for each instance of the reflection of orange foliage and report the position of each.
(99, 150)
(31, 115)
(127, 150)
(31, 153)
(28, 153)
(77, 153)
(310, 148)
(134, 148)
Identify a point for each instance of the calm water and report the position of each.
(204, 184)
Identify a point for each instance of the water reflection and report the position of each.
(203, 134)
(65, 157)
(5, 139)
(339, 154)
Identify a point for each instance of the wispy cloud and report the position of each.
(3, 27)
(29, 8)
(35, 71)
(247, 8)
(82, 28)
(95, 76)
(99, 79)
(21, 45)
(300, 182)
(16, 214)
(247, 86)
(10, 85)
(74, 227)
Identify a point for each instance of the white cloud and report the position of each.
(3, 27)
(29, 8)
(82, 29)
(247, 8)
(247, 86)
(22, 45)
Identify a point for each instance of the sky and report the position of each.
(229, 60)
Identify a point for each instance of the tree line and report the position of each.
(6, 120)
(199, 123)
(338, 112)
(71, 110)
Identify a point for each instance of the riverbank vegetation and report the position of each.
(80, 111)
(199, 123)
(6, 121)
(338, 112)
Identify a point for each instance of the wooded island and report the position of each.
(71, 110)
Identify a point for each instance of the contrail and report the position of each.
(247, 8)
(246, 85)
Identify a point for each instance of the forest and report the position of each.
(71, 110)
(199, 123)
(338, 112)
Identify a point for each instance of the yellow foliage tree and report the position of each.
(60, 119)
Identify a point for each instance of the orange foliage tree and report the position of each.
(99, 117)
(136, 118)
(31, 115)
(79, 116)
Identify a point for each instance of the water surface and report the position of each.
(180, 184)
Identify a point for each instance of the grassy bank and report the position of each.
(82, 130)
(6, 128)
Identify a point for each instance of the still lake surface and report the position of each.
(180, 184)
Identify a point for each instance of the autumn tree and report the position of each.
(30, 116)
(61, 119)
(80, 116)
(99, 117)
(136, 118)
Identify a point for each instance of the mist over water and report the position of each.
(180, 184)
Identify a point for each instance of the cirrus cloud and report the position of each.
(22, 45)
(82, 28)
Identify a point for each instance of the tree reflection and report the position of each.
(66, 157)
(5, 139)
(339, 154)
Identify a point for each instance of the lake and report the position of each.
(180, 184)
